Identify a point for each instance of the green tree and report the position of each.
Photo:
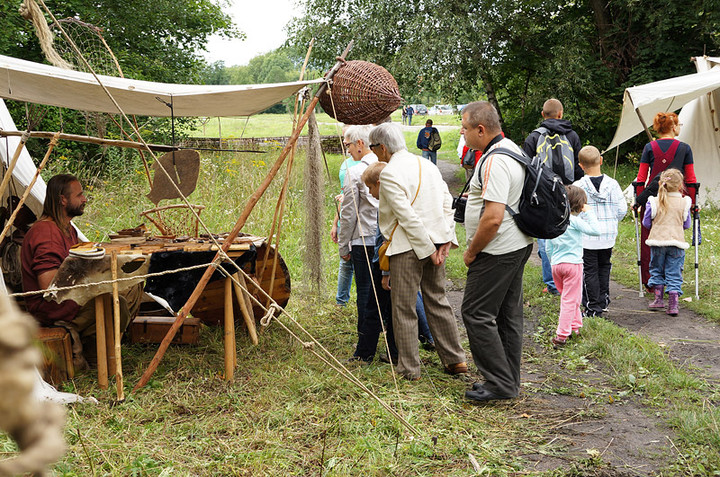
(159, 40)
(518, 53)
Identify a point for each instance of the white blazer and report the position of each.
(429, 220)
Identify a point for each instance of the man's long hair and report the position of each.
(57, 186)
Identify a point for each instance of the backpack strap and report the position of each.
(661, 160)
(521, 158)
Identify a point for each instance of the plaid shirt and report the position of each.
(609, 206)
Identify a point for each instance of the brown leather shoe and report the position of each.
(457, 368)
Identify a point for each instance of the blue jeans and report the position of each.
(546, 268)
(423, 329)
(345, 276)
(432, 155)
(666, 268)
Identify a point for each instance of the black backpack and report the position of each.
(555, 151)
(544, 209)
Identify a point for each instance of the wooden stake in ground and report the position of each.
(254, 198)
(100, 342)
(245, 307)
(118, 333)
(229, 331)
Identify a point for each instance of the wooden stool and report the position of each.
(56, 347)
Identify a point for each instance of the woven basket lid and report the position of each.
(362, 93)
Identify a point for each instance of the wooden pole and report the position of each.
(252, 201)
(246, 312)
(89, 139)
(109, 335)
(229, 332)
(118, 333)
(100, 342)
(11, 165)
(28, 189)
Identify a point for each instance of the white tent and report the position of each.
(38, 83)
(25, 168)
(697, 95)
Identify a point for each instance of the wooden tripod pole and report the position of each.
(30, 186)
(254, 198)
(11, 165)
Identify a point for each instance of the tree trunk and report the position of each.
(601, 18)
(490, 91)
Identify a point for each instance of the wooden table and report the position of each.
(215, 302)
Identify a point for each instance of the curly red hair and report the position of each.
(665, 122)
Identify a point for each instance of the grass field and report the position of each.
(286, 413)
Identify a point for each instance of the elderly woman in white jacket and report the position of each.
(416, 216)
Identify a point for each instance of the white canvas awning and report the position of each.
(38, 83)
(661, 96)
(697, 95)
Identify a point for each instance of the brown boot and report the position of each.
(657, 304)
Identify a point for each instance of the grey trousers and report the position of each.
(492, 311)
(407, 276)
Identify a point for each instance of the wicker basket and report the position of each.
(362, 93)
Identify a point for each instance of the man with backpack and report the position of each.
(498, 249)
(429, 141)
(557, 146)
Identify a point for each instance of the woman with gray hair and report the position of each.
(415, 214)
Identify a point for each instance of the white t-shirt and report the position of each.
(502, 181)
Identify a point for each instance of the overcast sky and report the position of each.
(262, 21)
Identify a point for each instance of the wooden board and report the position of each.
(56, 348)
(152, 329)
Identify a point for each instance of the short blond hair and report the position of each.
(552, 108)
(589, 156)
(371, 175)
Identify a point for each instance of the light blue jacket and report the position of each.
(568, 248)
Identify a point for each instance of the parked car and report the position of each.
(420, 109)
(441, 109)
(460, 107)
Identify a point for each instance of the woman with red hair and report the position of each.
(665, 152)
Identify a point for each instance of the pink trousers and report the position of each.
(568, 278)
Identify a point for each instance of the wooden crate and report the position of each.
(152, 329)
(56, 347)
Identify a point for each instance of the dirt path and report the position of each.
(585, 415)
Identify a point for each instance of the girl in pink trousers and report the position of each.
(566, 257)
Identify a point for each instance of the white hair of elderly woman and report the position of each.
(355, 133)
(389, 135)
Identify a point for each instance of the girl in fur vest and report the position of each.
(667, 215)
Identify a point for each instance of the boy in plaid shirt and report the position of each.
(607, 201)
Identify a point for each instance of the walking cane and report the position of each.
(696, 234)
(636, 219)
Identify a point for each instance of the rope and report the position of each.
(30, 11)
(328, 358)
(369, 263)
(110, 282)
(271, 312)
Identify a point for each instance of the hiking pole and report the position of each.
(696, 234)
(636, 219)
